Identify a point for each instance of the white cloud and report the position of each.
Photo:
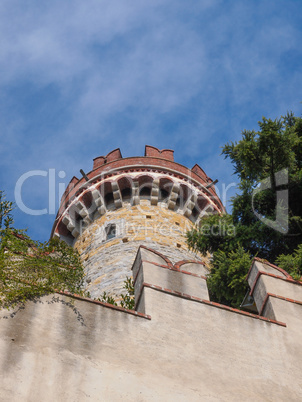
(106, 74)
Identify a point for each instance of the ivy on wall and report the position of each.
(29, 269)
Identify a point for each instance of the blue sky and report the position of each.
(80, 78)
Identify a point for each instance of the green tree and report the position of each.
(28, 268)
(227, 283)
(229, 263)
(272, 155)
(215, 232)
(292, 263)
(6, 207)
(259, 156)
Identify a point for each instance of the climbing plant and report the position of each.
(28, 268)
(127, 301)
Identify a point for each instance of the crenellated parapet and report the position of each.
(274, 291)
(153, 270)
(116, 181)
(177, 345)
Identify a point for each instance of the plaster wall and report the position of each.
(64, 349)
(180, 348)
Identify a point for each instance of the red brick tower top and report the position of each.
(196, 185)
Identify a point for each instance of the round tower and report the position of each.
(127, 202)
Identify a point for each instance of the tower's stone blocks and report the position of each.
(127, 202)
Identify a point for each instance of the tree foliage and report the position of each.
(218, 235)
(268, 163)
(127, 301)
(28, 268)
(214, 233)
(227, 282)
(292, 263)
(276, 149)
(6, 207)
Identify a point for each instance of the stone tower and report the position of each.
(124, 203)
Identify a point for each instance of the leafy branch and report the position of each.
(29, 269)
(127, 301)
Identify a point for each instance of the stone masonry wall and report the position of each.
(108, 262)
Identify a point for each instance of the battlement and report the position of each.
(167, 154)
(113, 163)
(273, 289)
(271, 286)
(173, 346)
(115, 180)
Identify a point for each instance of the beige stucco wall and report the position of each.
(186, 352)
(64, 349)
